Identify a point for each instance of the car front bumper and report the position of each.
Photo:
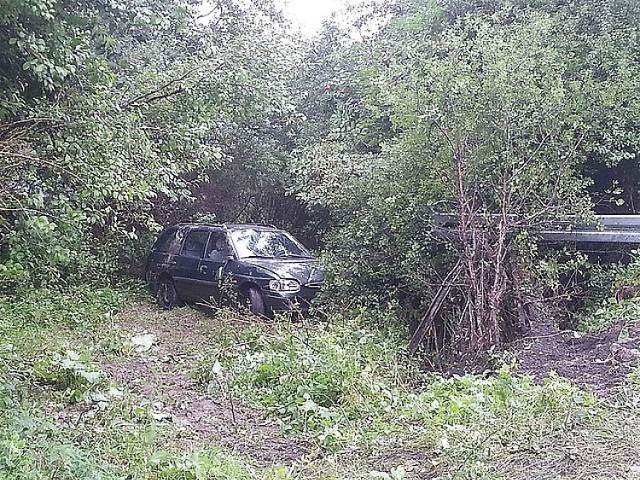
(289, 302)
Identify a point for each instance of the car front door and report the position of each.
(212, 267)
(185, 271)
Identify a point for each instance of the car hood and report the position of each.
(306, 271)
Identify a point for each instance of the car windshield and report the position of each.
(267, 243)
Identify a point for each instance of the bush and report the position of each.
(319, 379)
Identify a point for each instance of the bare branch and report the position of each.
(155, 94)
(28, 121)
(43, 161)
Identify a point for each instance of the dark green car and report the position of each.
(266, 267)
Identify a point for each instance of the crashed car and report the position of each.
(264, 266)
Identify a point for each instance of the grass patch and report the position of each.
(347, 387)
(76, 307)
(61, 417)
(343, 387)
(326, 380)
(34, 447)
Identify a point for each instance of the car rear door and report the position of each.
(185, 273)
(160, 258)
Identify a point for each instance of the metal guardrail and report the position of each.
(618, 229)
(586, 236)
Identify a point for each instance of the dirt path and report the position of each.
(161, 374)
(598, 362)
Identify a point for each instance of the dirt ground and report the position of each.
(161, 375)
(597, 362)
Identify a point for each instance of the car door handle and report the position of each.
(203, 269)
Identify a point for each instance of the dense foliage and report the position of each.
(520, 94)
(118, 117)
(115, 112)
(509, 114)
(125, 116)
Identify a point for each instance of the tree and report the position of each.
(495, 108)
(151, 101)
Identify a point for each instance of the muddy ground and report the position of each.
(597, 362)
(162, 374)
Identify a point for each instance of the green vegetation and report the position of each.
(62, 416)
(345, 386)
(120, 117)
(610, 295)
(342, 388)
(327, 380)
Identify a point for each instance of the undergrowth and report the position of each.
(343, 387)
(61, 417)
(76, 307)
(34, 447)
(321, 379)
(346, 386)
(615, 296)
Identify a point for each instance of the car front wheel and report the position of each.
(166, 294)
(256, 302)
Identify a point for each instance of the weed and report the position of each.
(320, 379)
(80, 306)
(71, 373)
(212, 464)
(61, 418)
(343, 386)
(34, 447)
(616, 297)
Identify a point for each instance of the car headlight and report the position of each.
(284, 285)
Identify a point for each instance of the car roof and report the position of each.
(229, 226)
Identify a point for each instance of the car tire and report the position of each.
(166, 294)
(256, 302)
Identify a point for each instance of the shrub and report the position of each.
(322, 379)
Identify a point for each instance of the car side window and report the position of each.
(218, 249)
(164, 240)
(195, 243)
(176, 241)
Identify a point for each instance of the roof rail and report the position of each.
(228, 224)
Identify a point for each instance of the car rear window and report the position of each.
(195, 243)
